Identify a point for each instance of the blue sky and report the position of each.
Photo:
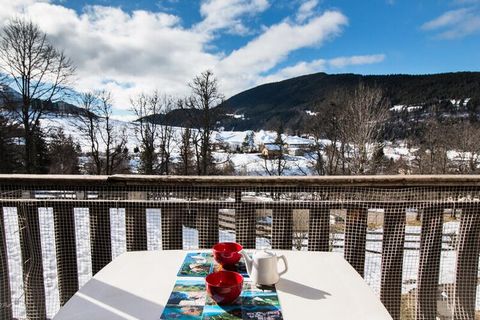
(391, 27)
(129, 47)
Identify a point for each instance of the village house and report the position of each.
(271, 150)
(298, 146)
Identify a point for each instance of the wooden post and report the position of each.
(245, 222)
(282, 228)
(355, 238)
(429, 265)
(392, 260)
(172, 238)
(31, 248)
(467, 264)
(136, 223)
(66, 251)
(207, 226)
(5, 293)
(319, 229)
(100, 236)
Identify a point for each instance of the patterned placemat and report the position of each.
(190, 301)
(201, 264)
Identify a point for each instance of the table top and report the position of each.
(136, 285)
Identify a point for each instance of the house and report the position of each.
(297, 146)
(271, 150)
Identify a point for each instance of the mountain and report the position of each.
(14, 99)
(288, 101)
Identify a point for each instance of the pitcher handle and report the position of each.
(286, 265)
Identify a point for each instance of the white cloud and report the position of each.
(139, 50)
(320, 65)
(342, 62)
(306, 10)
(454, 24)
(446, 19)
(270, 48)
(228, 14)
(296, 70)
(131, 52)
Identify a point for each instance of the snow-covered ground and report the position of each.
(190, 239)
(230, 142)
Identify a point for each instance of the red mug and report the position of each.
(224, 286)
(227, 253)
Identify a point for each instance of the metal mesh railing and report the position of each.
(415, 240)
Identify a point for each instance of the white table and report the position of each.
(136, 285)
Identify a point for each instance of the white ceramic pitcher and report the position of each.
(263, 267)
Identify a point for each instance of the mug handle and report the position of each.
(286, 265)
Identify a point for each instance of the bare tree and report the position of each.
(31, 65)
(432, 154)
(325, 129)
(276, 165)
(465, 139)
(155, 139)
(89, 126)
(186, 164)
(96, 123)
(201, 105)
(165, 139)
(365, 114)
(10, 162)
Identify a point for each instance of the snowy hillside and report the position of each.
(244, 163)
(229, 147)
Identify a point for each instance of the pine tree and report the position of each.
(63, 153)
(9, 155)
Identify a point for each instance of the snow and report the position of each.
(272, 147)
(236, 116)
(244, 163)
(408, 108)
(295, 140)
(458, 102)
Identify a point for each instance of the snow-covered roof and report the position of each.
(272, 147)
(401, 107)
(298, 140)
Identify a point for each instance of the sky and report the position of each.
(129, 47)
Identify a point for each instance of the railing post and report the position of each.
(136, 223)
(282, 228)
(355, 238)
(31, 248)
(5, 293)
(245, 222)
(100, 236)
(392, 259)
(467, 264)
(171, 229)
(66, 251)
(207, 226)
(319, 229)
(429, 265)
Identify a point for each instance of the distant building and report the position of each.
(271, 150)
(297, 146)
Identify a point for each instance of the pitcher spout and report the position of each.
(248, 261)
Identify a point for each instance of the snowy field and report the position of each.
(244, 163)
(190, 238)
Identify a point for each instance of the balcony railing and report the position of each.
(415, 239)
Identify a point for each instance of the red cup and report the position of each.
(224, 286)
(227, 253)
